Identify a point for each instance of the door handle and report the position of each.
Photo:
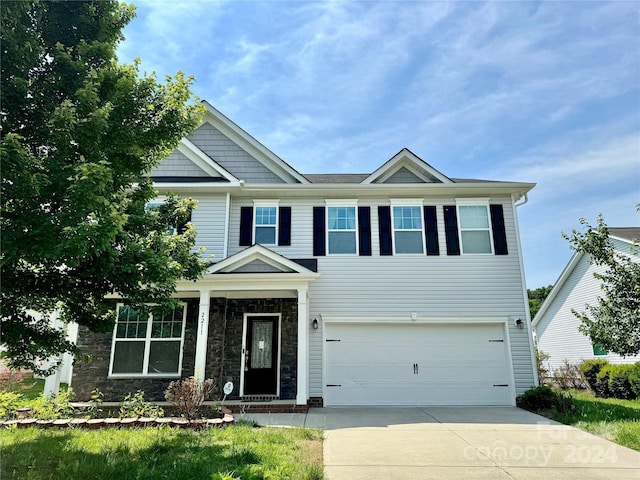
(417, 369)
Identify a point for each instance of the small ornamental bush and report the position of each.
(134, 405)
(58, 406)
(602, 381)
(619, 384)
(568, 376)
(188, 395)
(543, 398)
(9, 403)
(590, 370)
(536, 399)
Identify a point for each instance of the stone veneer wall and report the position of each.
(222, 364)
(226, 317)
(93, 374)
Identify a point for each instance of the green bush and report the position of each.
(602, 381)
(590, 369)
(634, 379)
(619, 384)
(134, 405)
(54, 407)
(543, 398)
(536, 399)
(9, 403)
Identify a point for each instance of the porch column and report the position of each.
(302, 380)
(201, 338)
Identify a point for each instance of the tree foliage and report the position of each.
(80, 135)
(614, 322)
(537, 297)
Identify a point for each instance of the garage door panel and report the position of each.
(454, 365)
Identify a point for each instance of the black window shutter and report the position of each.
(318, 232)
(451, 230)
(384, 227)
(246, 226)
(499, 231)
(431, 231)
(183, 226)
(284, 226)
(364, 230)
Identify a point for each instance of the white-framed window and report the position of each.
(265, 222)
(156, 204)
(475, 228)
(408, 236)
(342, 229)
(147, 343)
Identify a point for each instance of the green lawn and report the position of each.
(616, 420)
(237, 452)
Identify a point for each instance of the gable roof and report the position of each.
(258, 253)
(406, 159)
(625, 234)
(252, 146)
(202, 160)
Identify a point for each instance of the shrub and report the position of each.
(590, 369)
(619, 384)
(188, 395)
(536, 399)
(95, 404)
(634, 379)
(568, 376)
(602, 381)
(543, 398)
(136, 406)
(58, 406)
(9, 403)
(543, 371)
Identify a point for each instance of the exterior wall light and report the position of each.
(520, 323)
(314, 324)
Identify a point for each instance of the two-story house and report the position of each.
(399, 286)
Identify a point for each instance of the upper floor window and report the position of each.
(407, 229)
(147, 343)
(266, 225)
(341, 229)
(475, 229)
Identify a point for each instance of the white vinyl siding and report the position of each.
(209, 220)
(557, 330)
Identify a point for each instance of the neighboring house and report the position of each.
(556, 327)
(400, 286)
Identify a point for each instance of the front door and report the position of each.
(261, 356)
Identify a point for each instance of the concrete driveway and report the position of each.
(490, 443)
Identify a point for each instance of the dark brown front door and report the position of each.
(261, 356)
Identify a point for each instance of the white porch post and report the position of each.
(201, 339)
(303, 346)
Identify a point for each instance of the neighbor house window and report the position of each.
(147, 343)
(475, 229)
(266, 225)
(341, 229)
(598, 351)
(407, 229)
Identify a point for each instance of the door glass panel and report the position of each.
(261, 344)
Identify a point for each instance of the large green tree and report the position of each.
(80, 135)
(537, 298)
(613, 322)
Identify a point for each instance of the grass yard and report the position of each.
(616, 420)
(237, 452)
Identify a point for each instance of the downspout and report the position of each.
(525, 296)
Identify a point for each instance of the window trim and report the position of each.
(474, 202)
(408, 202)
(344, 204)
(147, 345)
(266, 204)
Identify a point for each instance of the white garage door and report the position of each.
(410, 364)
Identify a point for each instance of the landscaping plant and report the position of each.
(188, 395)
(134, 405)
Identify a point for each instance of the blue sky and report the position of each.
(544, 92)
